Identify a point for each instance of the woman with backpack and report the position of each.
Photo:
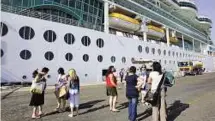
(61, 90)
(155, 79)
(74, 91)
(38, 88)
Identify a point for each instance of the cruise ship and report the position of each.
(91, 35)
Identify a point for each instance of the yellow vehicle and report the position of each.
(191, 67)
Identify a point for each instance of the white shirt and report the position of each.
(156, 78)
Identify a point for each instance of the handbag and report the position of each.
(36, 88)
(152, 97)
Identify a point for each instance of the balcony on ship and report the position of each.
(188, 8)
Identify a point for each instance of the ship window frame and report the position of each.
(159, 51)
(69, 38)
(113, 59)
(147, 49)
(140, 49)
(26, 32)
(2, 53)
(164, 52)
(100, 43)
(49, 55)
(123, 59)
(153, 51)
(69, 56)
(25, 54)
(100, 58)
(3, 29)
(47, 36)
(86, 58)
(86, 41)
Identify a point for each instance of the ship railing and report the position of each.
(50, 17)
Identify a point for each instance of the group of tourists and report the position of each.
(67, 87)
(148, 83)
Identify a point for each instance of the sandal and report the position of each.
(115, 110)
(35, 117)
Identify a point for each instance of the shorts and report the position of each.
(111, 91)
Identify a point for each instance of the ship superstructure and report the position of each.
(90, 35)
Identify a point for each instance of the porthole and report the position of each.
(48, 76)
(164, 52)
(123, 59)
(165, 62)
(153, 51)
(3, 29)
(180, 54)
(69, 38)
(169, 53)
(69, 57)
(170, 61)
(100, 58)
(25, 54)
(177, 54)
(173, 53)
(86, 41)
(86, 57)
(24, 77)
(173, 62)
(49, 36)
(113, 59)
(160, 61)
(2, 53)
(26, 32)
(100, 43)
(140, 49)
(147, 50)
(159, 51)
(49, 55)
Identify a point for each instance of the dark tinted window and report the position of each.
(100, 43)
(2, 53)
(25, 54)
(49, 55)
(153, 50)
(26, 32)
(123, 59)
(100, 58)
(3, 29)
(147, 50)
(140, 49)
(49, 36)
(86, 41)
(159, 51)
(69, 38)
(85, 57)
(113, 59)
(164, 52)
(68, 56)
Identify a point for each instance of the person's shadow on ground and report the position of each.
(86, 105)
(176, 109)
(173, 111)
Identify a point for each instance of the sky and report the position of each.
(207, 8)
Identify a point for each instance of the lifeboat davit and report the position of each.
(155, 31)
(123, 22)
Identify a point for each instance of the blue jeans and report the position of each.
(132, 109)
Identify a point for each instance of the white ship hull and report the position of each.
(14, 68)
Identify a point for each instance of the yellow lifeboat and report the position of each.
(173, 39)
(123, 22)
(155, 31)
